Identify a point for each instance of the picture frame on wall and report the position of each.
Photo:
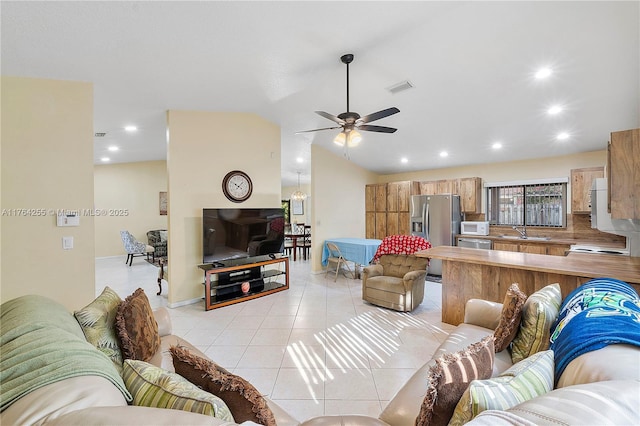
(163, 203)
(297, 207)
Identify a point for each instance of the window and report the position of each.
(536, 203)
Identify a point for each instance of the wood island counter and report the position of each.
(486, 274)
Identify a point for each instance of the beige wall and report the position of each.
(135, 188)
(47, 163)
(202, 148)
(306, 204)
(539, 168)
(337, 199)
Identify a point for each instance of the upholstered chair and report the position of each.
(396, 282)
(134, 247)
(158, 240)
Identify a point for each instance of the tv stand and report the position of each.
(245, 279)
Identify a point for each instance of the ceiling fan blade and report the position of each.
(317, 130)
(330, 117)
(380, 129)
(378, 115)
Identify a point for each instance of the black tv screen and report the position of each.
(239, 233)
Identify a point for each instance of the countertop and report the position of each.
(589, 265)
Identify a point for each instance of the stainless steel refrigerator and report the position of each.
(436, 218)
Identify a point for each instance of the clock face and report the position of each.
(237, 186)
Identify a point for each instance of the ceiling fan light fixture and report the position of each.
(340, 139)
(354, 138)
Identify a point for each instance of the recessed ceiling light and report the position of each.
(496, 145)
(562, 136)
(444, 154)
(299, 160)
(554, 110)
(543, 73)
(131, 128)
(105, 159)
(404, 160)
(113, 148)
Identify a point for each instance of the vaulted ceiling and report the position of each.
(472, 66)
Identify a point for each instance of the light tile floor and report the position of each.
(315, 349)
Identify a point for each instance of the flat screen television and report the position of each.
(230, 233)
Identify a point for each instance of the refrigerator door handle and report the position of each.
(426, 221)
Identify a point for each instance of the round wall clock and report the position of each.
(237, 186)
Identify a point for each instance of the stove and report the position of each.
(578, 248)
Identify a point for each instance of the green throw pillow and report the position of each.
(526, 380)
(538, 315)
(152, 386)
(97, 321)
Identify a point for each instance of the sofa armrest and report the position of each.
(412, 276)
(482, 313)
(373, 271)
(164, 321)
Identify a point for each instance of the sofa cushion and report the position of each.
(510, 319)
(613, 402)
(449, 378)
(137, 327)
(538, 315)
(154, 387)
(57, 399)
(613, 362)
(244, 400)
(386, 283)
(98, 322)
(397, 265)
(526, 380)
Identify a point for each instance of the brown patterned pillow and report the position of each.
(137, 328)
(510, 318)
(450, 376)
(244, 401)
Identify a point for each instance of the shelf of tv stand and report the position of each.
(263, 281)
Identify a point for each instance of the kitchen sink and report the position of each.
(514, 237)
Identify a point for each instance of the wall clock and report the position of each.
(237, 186)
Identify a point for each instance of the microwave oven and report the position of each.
(474, 228)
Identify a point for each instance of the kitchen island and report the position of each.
(486, 274)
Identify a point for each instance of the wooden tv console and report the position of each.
(258, 279)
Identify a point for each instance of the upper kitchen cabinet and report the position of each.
(470, 190)
(581, 181)
(624, 174)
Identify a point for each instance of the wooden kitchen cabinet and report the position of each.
(623, 161)
(428, 187)
(447, 186)
(387, 208)
(532, 248)
(505, 246)
(470, 190)
(581, 181)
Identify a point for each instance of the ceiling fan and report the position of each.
(351, 122)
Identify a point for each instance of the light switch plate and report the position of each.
(67, 243)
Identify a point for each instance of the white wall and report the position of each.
(133, 187)
(47, 164)
(202, 148)
(337, 199)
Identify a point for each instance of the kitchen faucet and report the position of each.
(523, 233)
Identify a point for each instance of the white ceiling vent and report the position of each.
(100, 134)
(399, 87)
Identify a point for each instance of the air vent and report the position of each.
(399, 87)
(100, 134)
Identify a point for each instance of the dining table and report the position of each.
(293, 236)
(360, 251)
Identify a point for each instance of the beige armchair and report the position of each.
(397, 282)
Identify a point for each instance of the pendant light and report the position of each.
(298, 195)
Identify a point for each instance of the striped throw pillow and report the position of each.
(538, 315)
(152, 386)
(526, 380)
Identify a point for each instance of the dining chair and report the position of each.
(304, 243)
(336, 258)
